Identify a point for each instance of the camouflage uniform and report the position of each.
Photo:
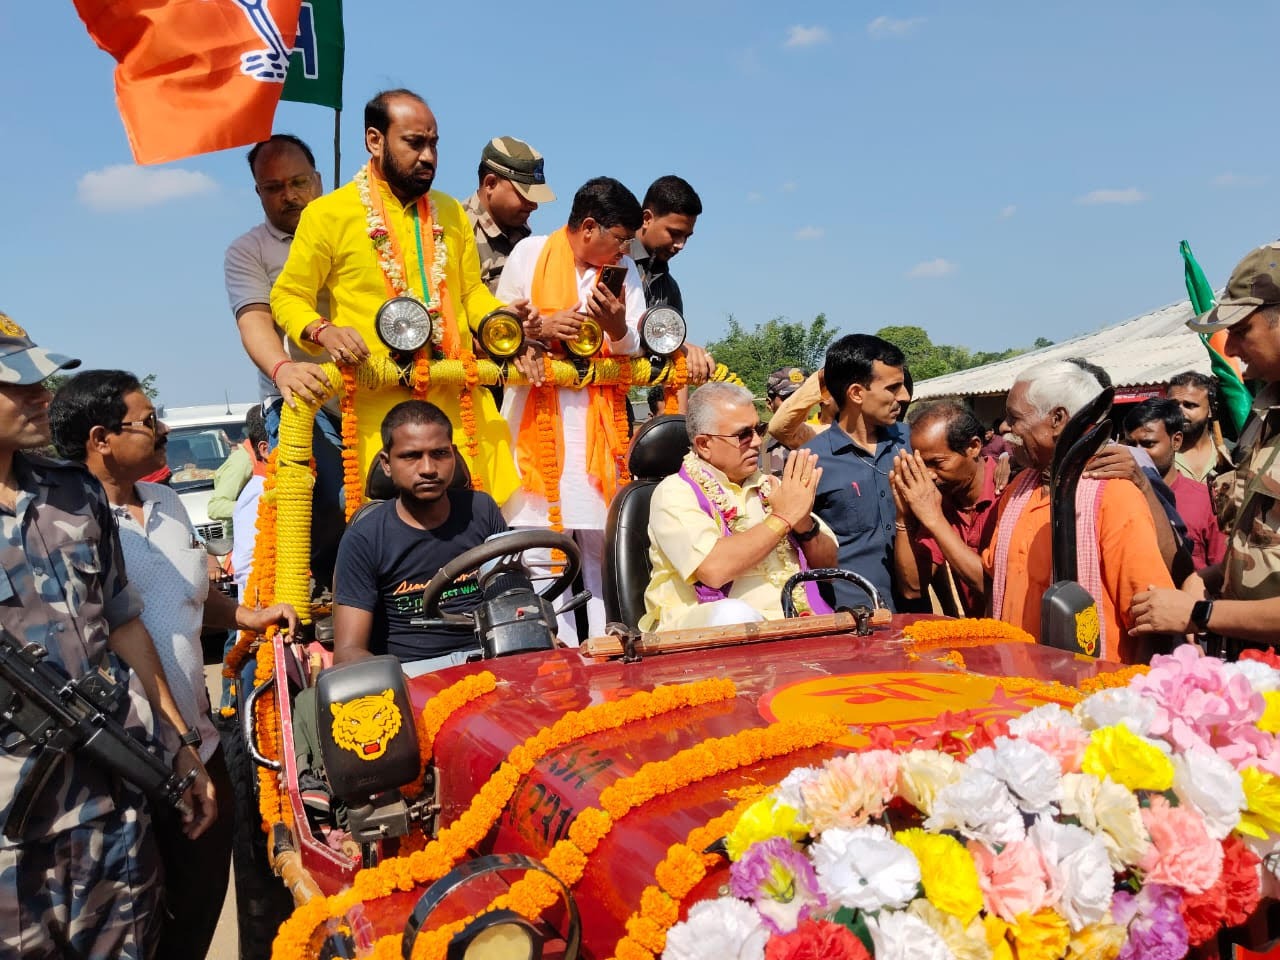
(492, 242)
(82, 881)
(1249, 505)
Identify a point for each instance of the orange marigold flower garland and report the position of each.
(621, 422)
(421, 373)
(352, 482)
(273, 803)
(1112, 679)
(931, 634)
(465, 833)
(437, 712)
(535, 891)
(679, 380)
(466, 405)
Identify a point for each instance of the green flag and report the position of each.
(315, 68)
(1236, 399)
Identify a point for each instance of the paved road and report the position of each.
(225, 941)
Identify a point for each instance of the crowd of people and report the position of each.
(1178, 537)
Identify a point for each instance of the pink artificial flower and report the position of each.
(1064, 744)
(1015, 880)
(1182, 853)
(851, 789)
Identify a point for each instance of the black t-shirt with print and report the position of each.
(384, 564)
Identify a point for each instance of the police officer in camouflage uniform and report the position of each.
(1239, 598)
(511, 185)
(82, 879)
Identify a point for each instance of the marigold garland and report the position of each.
(535, 892)
(273, 803)
(930, 634)
(679, 380)
(437, 712)
(421, 374)
(352, 485)
(466, 405)
(621, 418)
(471, 827)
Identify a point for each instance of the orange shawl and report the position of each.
(540, 445)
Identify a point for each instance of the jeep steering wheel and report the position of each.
(509, 544)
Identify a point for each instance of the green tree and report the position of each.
(754, 354)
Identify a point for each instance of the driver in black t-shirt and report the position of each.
(389, 554)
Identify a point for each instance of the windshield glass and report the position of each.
(195, 453)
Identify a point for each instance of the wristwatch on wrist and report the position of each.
(1201, 611)
(809, 534)
(192, 738)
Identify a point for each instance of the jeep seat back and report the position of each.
(657, 448)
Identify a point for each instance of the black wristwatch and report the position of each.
(1201, 611)
(809, 534)
(192, 738)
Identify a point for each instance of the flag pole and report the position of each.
(337, 149)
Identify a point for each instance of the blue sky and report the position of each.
(991, 172)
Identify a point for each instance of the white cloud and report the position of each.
(890, 27)
(799, 36)
(1128, 195)
(126, 187)
(754, 196)
(931, 269)
(810, 233)
(1238, 180)
(1009, 211)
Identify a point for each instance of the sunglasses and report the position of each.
(744, 435)
(149, 421)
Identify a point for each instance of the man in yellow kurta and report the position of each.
(386, 234)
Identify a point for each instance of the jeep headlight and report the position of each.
(662, 331)
(404, 324)
(589, 340)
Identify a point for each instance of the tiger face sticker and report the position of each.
(365, 726)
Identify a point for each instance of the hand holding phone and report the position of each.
(612, 277)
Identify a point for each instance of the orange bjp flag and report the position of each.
(194, 75)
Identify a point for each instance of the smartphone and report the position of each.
(612, 276)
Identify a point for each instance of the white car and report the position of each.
(200, 439)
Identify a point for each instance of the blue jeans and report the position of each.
(327, 499)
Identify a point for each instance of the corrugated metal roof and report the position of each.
(1146, 349)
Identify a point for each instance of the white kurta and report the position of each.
(581, 505)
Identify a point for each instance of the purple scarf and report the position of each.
(708, 594)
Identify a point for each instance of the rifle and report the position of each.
(59, 715)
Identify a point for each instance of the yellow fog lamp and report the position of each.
(662, 331)
(403, 324)
(589, 340)
(501, 334)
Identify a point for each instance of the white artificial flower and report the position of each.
(1204, 780)
(1119, 705)
(1079, 868)
(727, 929)
(1111, 812)
(1032, 776)
(1261, 677)
(902, 936)
(865, 868)
(978, 806)
(789, 792)
(922, 773)
(1044, 717)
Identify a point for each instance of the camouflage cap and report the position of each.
(1254, 283)
(22, 362)
(785, 381)
(518, 162)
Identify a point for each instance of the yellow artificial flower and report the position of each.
(1043, 935)
(764, 820)
(1270, 722)
(947, 870)
(1098, 941)
(1262, 803)
(1128, 759)
(965, 941)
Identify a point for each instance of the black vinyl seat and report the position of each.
(657, 448)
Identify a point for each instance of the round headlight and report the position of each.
(502, 941)
(589, 340)
(501, 334)
(403, 324)
(662, 331)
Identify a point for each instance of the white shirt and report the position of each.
(250, 267)
(581, 505)
(245, 522)
(169, 567)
